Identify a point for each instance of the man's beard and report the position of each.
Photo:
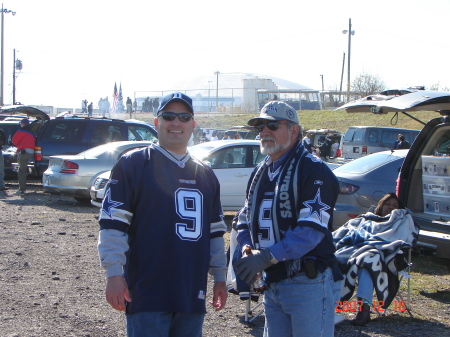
(269, 150)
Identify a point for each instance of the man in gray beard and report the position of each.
(286, 222)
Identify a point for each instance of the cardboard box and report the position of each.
(436, 165)
(436, 204)
(436, 185)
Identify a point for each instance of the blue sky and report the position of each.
(73, 50)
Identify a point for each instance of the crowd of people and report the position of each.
(162, 228)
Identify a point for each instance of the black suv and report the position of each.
(72, 134)
(424, 179)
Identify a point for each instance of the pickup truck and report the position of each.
(424, 178)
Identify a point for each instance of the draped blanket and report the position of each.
(375, 243)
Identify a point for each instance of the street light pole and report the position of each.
(4, 10)
(350, 33)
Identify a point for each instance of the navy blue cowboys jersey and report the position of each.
(170, 210)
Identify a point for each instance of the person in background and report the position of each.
(129, 104)
(335, 148)
(90, 109)
(306, 141)
(325, 149)
(161, 230)
(366, 246)
(237, 135)
(214, 136)
(3, 141)
(226, 136)
(155, 104)
(24, 140)
(403, 144)
(397, 141)
(285, 220)
(203, 138)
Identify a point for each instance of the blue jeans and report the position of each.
(164, 324)
(300, 306)
(365, 285)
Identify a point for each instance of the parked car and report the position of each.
(423, 183)
(73, 175)
(232, 162)
(360, 141)
(364, 181)
(72, 134)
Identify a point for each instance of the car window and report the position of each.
(257, 155)
(136, 132)
(368, 163)
(389, 137)
(348, 137)
(443, 144)
(64, 130)
(230, 157)
(373, 135)
(358, 136)
(105, 133)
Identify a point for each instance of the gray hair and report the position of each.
(291, 124)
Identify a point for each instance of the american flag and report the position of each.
(120, 107)
(115, 99)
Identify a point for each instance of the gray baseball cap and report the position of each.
(276, 111)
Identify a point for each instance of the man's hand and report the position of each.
(117, 292)
(220, 295)
(248, 266)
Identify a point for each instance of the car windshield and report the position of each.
(200, 151)
(368, 163)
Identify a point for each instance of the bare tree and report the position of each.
(366, 84)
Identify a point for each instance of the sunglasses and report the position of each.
(170, 116)
(272, 126)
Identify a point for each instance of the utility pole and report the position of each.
(217, 90)
(342, 78)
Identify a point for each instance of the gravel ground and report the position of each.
(52, 285)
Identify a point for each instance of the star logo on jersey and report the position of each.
(316, 206)
(108, 204)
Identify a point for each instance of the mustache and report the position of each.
(266, 138)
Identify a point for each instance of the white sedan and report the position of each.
(73, 175)
(232, 162)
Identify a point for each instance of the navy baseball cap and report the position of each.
(25, 121)
(176, 97)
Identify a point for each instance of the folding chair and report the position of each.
(249, 309)
(404, 274)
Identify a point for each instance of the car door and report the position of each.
(233, 165)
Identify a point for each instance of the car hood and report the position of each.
(416, 101)
(25, 109)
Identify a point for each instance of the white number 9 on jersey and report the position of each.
(189, 205)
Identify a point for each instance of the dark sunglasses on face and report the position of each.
(272, 126)
(170, 116)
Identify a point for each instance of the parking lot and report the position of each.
(52, 284)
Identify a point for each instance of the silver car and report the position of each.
(364, 181)
(232, 161)
(73, 175)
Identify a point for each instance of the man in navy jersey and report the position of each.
(286, 220)
(161, 231)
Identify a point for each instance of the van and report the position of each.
(359, 141)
